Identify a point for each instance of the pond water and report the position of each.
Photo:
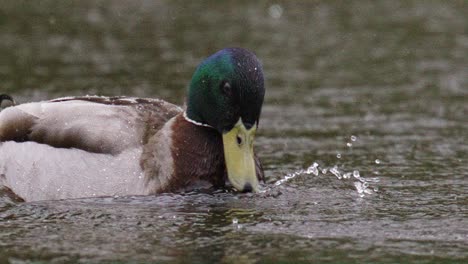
(363, 132)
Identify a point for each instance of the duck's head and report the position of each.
(226, 93)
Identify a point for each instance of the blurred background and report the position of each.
(378, 87)
(151, 47)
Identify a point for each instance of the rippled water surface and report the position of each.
(374, 92)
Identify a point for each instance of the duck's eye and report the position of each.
(239, 140)
(225, 88)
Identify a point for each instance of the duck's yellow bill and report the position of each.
(239, 157)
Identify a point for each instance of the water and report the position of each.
(363, 132)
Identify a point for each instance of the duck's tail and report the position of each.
(6, 97)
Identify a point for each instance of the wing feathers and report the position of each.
(93, 123)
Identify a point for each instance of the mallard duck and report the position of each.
(113, 146)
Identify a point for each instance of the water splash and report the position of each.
(362, 184)
(310, 170)
(336, 172)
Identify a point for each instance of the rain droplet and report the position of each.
(275, 11)
(353, 138)
(235, 221)
(338, 156)
(349, 144)
(377, 161)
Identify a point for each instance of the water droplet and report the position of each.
(336, 172)
(338, 156)
(356, 174)
(275, 11)
(353, 138)
(235, 221)
(377, 161)
(359, 187)
(313, 169)
(324, 171)
(349, 144)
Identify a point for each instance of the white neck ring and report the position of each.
(194, 122)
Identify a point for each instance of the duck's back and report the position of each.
(78, 147)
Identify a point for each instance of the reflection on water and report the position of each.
(363, 133)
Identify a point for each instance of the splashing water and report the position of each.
(311, 170)
(360, 183)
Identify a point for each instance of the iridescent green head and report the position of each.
(226, 93)
(227, 86)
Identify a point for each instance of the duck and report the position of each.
(95, 146)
